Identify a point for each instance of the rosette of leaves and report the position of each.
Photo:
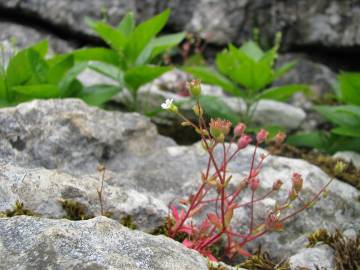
(344, 119)
(131, 55)
(248, 73)
(29, 75)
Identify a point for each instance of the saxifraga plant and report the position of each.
(215, 193)
(132, 56)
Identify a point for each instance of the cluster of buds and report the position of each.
(219, 129)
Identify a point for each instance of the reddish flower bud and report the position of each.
(261, 136)
(277, 185)
(244, 141)
(254, 173)
(219, 128)
(239, 129)
(280, 137)
(254, 183)
(272, 222)
(297, 182)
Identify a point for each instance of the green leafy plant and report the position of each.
(30, 75)
(128, 60)
(345, 119)
(248, 72)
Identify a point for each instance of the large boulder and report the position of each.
(306, 23)
(99, 243)
(68, 136)
(25, 36)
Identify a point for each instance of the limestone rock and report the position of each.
(99, 243)
(320, 257)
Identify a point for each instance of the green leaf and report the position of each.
(3, 87)
(69, 78)
(19, 70)
(41, 47)
(337, 115)
(350, 87)
(347, 131)
(210, 76)
(282, 93)
(226, 62)
(112, 36)
(98, 94)
(38, 67)
(311, 140)
(143, 34)
(285, 69)
(38, 91)
(97, 54)
(253, 76)
(269, 57)
(216, 108)
(127, 24)
(158, 46)
(59, 69)
(252, 50)
(108, 70)
(138, 76)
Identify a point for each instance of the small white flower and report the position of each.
(167, 104)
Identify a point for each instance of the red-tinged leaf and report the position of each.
(243, 252)
(195, 211)
(278, 227)
(188, 230)
(215, 220)
(175, 213)
(187, 243)
(229, 214)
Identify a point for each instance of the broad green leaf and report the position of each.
(98, 94)
(252, 50)
(41, 47)
(158, 46)
(226, 62)
(269, 57)
(108, 70)
(347, 131)
(38, 66)
(285, 69)
(253, 76)
(336, 116)
(210, 76)
(69, 77)
(350, 87)
(138, 76)
(143, 34)
(216, 108)
(97, 54)
(311, 140)
(19, 70)
(58, 70)
(38, 91)
(282, 93)
(351, 109)
(112, 36)
(127, 24)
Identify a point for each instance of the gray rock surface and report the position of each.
(319, 257)
(26, 35)
(68, 136)
(99, 243)
(42, 190)
(306, 23)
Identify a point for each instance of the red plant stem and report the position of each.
(317, 195)
(252, 193)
